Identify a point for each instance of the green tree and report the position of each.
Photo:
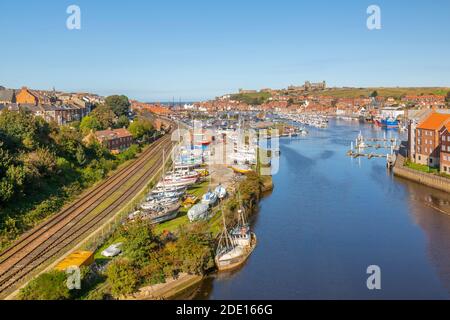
(40, 163)
(119, 104)
(89, 123)
(105, 116)
(140, 241)
(47, 286)
(122, 277)
(374, 94)
(123, 122)
(141, 128)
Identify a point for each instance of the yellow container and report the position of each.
(76, 259)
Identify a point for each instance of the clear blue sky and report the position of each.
(156, 50)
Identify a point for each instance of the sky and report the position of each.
(196, 49)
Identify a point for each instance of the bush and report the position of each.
(122, 277)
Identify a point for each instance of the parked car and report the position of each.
(112, 251)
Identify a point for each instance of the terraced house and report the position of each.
(428, 139)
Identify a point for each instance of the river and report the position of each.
(330, 217)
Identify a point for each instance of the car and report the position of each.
(112, 251)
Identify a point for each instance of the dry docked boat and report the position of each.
(162, 214)
(169, 189)
(242, 169)
(210, 198)
(229, 254)
(220, 191)
(198, 212)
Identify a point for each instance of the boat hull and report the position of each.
(231, 264)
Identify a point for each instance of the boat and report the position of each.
(241, 233)
(242, 169)
(165, 194)
(169, 189)
(388, 122)
(151, 205)
(198, 212)
(229, 254)
(176, 182)
(163, 214)
(220, 191)
(209, 198)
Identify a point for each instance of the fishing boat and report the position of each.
(229, 254)
(241, 233)
(388, 122)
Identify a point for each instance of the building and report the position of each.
(445, 149)
(7, 96)
(27, 96)
(116, 140)
(427, 139)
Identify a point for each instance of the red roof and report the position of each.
(435, 121)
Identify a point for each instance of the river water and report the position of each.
(330, 217)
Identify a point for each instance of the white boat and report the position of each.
(221, 192)
(169, 189)
(210, 198)
(177, 182)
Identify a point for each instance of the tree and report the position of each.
(89, 123)
(48, 286)
(105, 116)
(119, 104)
(40, 163)
(447, 98)
(374, 94)
(122, 277)
(140, 241)
(141, 128)
(123, 122)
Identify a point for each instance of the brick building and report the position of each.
(428, 141)
(116, 140)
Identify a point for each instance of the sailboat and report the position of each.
(230, 254)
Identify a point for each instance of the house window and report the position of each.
(431, 161)
(420, 158)
(445, 169)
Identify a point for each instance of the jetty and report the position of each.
(361, 149)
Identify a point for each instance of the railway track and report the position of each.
(49, 239)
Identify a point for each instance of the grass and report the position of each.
(421, 168)
(385, 92)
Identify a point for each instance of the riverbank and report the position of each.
(428, 179)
